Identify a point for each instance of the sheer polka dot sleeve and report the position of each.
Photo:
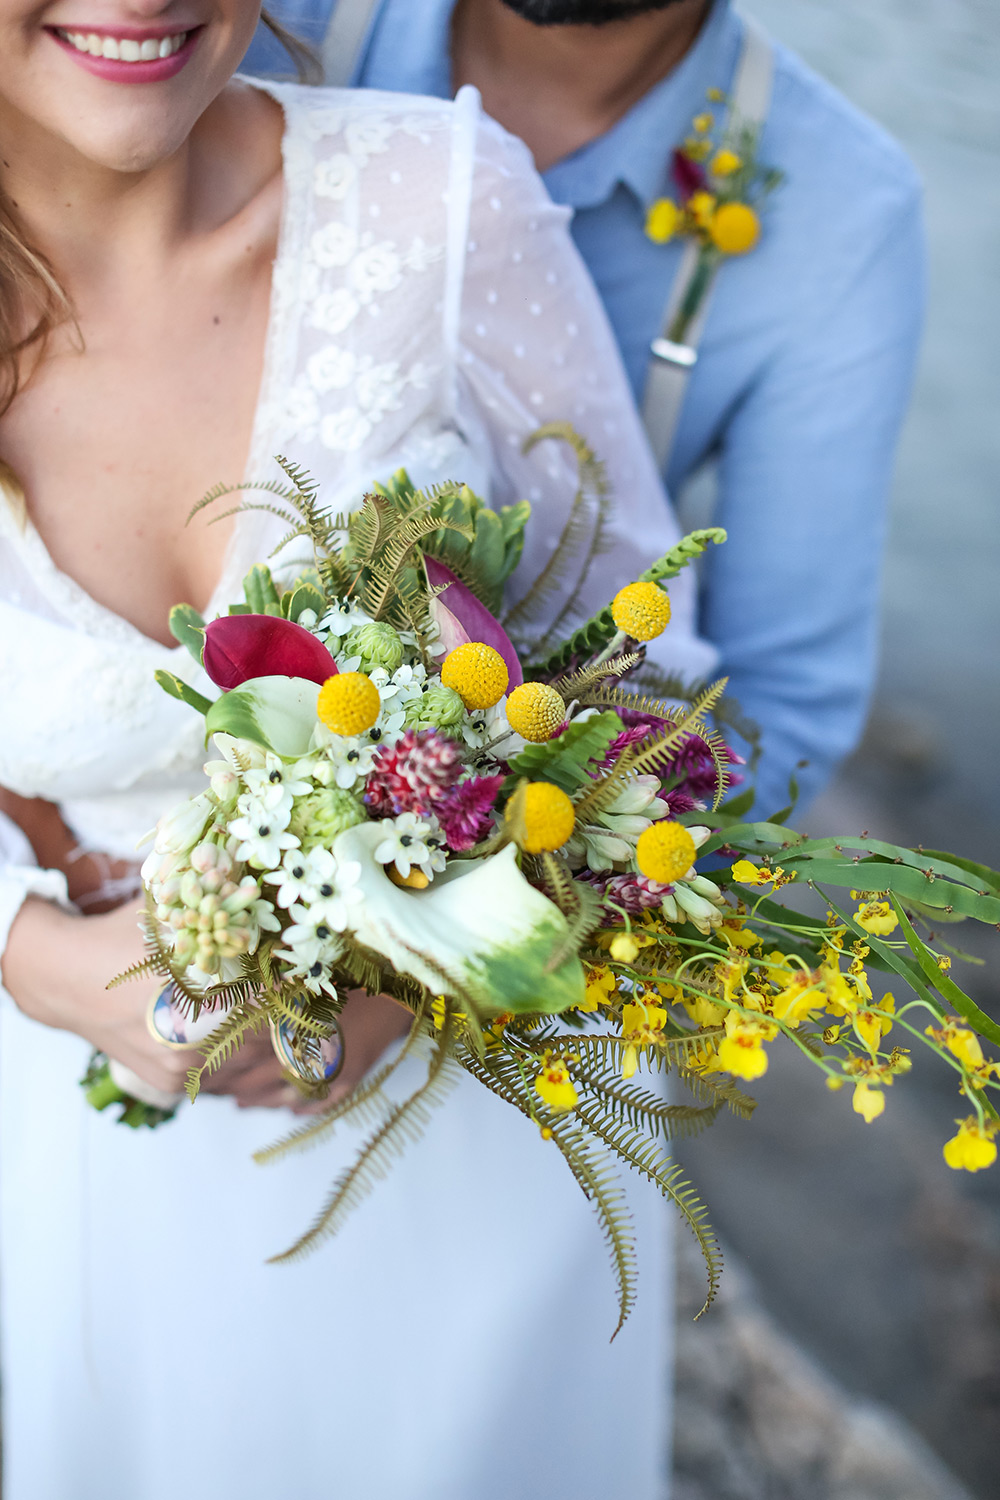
(532, 345)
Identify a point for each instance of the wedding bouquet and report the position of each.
(409, 795)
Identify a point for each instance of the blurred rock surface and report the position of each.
(757, 1419)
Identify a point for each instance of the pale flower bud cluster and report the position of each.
(210, 910)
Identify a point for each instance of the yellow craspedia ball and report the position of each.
(548, 817)
(724, 163)
(348, 703)
(642, 610)
(535, 711)
(477, 673)
(734, 228)
(665, 851)
(662, 221)
(701, 206)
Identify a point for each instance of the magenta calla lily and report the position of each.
(241, 647)
(461, 617)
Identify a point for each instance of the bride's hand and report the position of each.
(57, 966)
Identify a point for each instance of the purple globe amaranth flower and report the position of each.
(465, 812)
(633, 893)
(241, 647)
(691, 760)
(413, 775)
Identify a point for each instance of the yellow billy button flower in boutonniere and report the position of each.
(720, 189)
(734, 228)
(663, 221)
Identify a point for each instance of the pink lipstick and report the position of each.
(128, 54)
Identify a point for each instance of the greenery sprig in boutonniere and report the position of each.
(721, 191)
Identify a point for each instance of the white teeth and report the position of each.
(125, 49)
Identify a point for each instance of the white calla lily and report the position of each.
(278, 713)
(480, 930)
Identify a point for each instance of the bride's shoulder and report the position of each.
(371, 124)
(368, 118)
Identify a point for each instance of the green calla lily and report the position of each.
(278, 713)
(479, 930)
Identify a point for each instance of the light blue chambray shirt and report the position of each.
(803, 375)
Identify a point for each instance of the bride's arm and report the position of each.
(532, 346)
(55, 965)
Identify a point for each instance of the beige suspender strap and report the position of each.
(345, 36)
(671, 363)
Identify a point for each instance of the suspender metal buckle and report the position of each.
(681, 355)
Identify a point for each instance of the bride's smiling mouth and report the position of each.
(128, 54)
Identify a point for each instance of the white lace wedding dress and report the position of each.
(452, 1342)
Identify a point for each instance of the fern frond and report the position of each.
(596, 632)
(219, 1047)
(404, 1124)
(266, 486)
(645, 1157)
(298, 1019)
(236, 992)
(579, 903)
(637, 759)
(610, 695)
(591, 491)
(609, 1051)
(710, 1087)
(644, 1111)
(143, 969)
(593, 485)
(587, 679)
(358, 968)
(377, 591)
(501, 1075)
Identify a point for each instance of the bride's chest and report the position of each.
(115, 442)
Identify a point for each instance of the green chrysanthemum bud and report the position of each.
(377, 644)
(439, 708)
(318, 818)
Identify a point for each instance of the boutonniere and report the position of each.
(721, 189)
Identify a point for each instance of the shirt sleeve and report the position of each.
(792, 600)
(21, 877)
(531, 346)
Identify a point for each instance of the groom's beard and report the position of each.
(583, 12)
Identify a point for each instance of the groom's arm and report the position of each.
(792, 600)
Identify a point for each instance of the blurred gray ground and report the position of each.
(866, 1248)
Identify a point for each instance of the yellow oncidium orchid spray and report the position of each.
(642, 1026)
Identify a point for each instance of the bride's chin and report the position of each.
(124, 129)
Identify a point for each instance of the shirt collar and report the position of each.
(637, 150)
